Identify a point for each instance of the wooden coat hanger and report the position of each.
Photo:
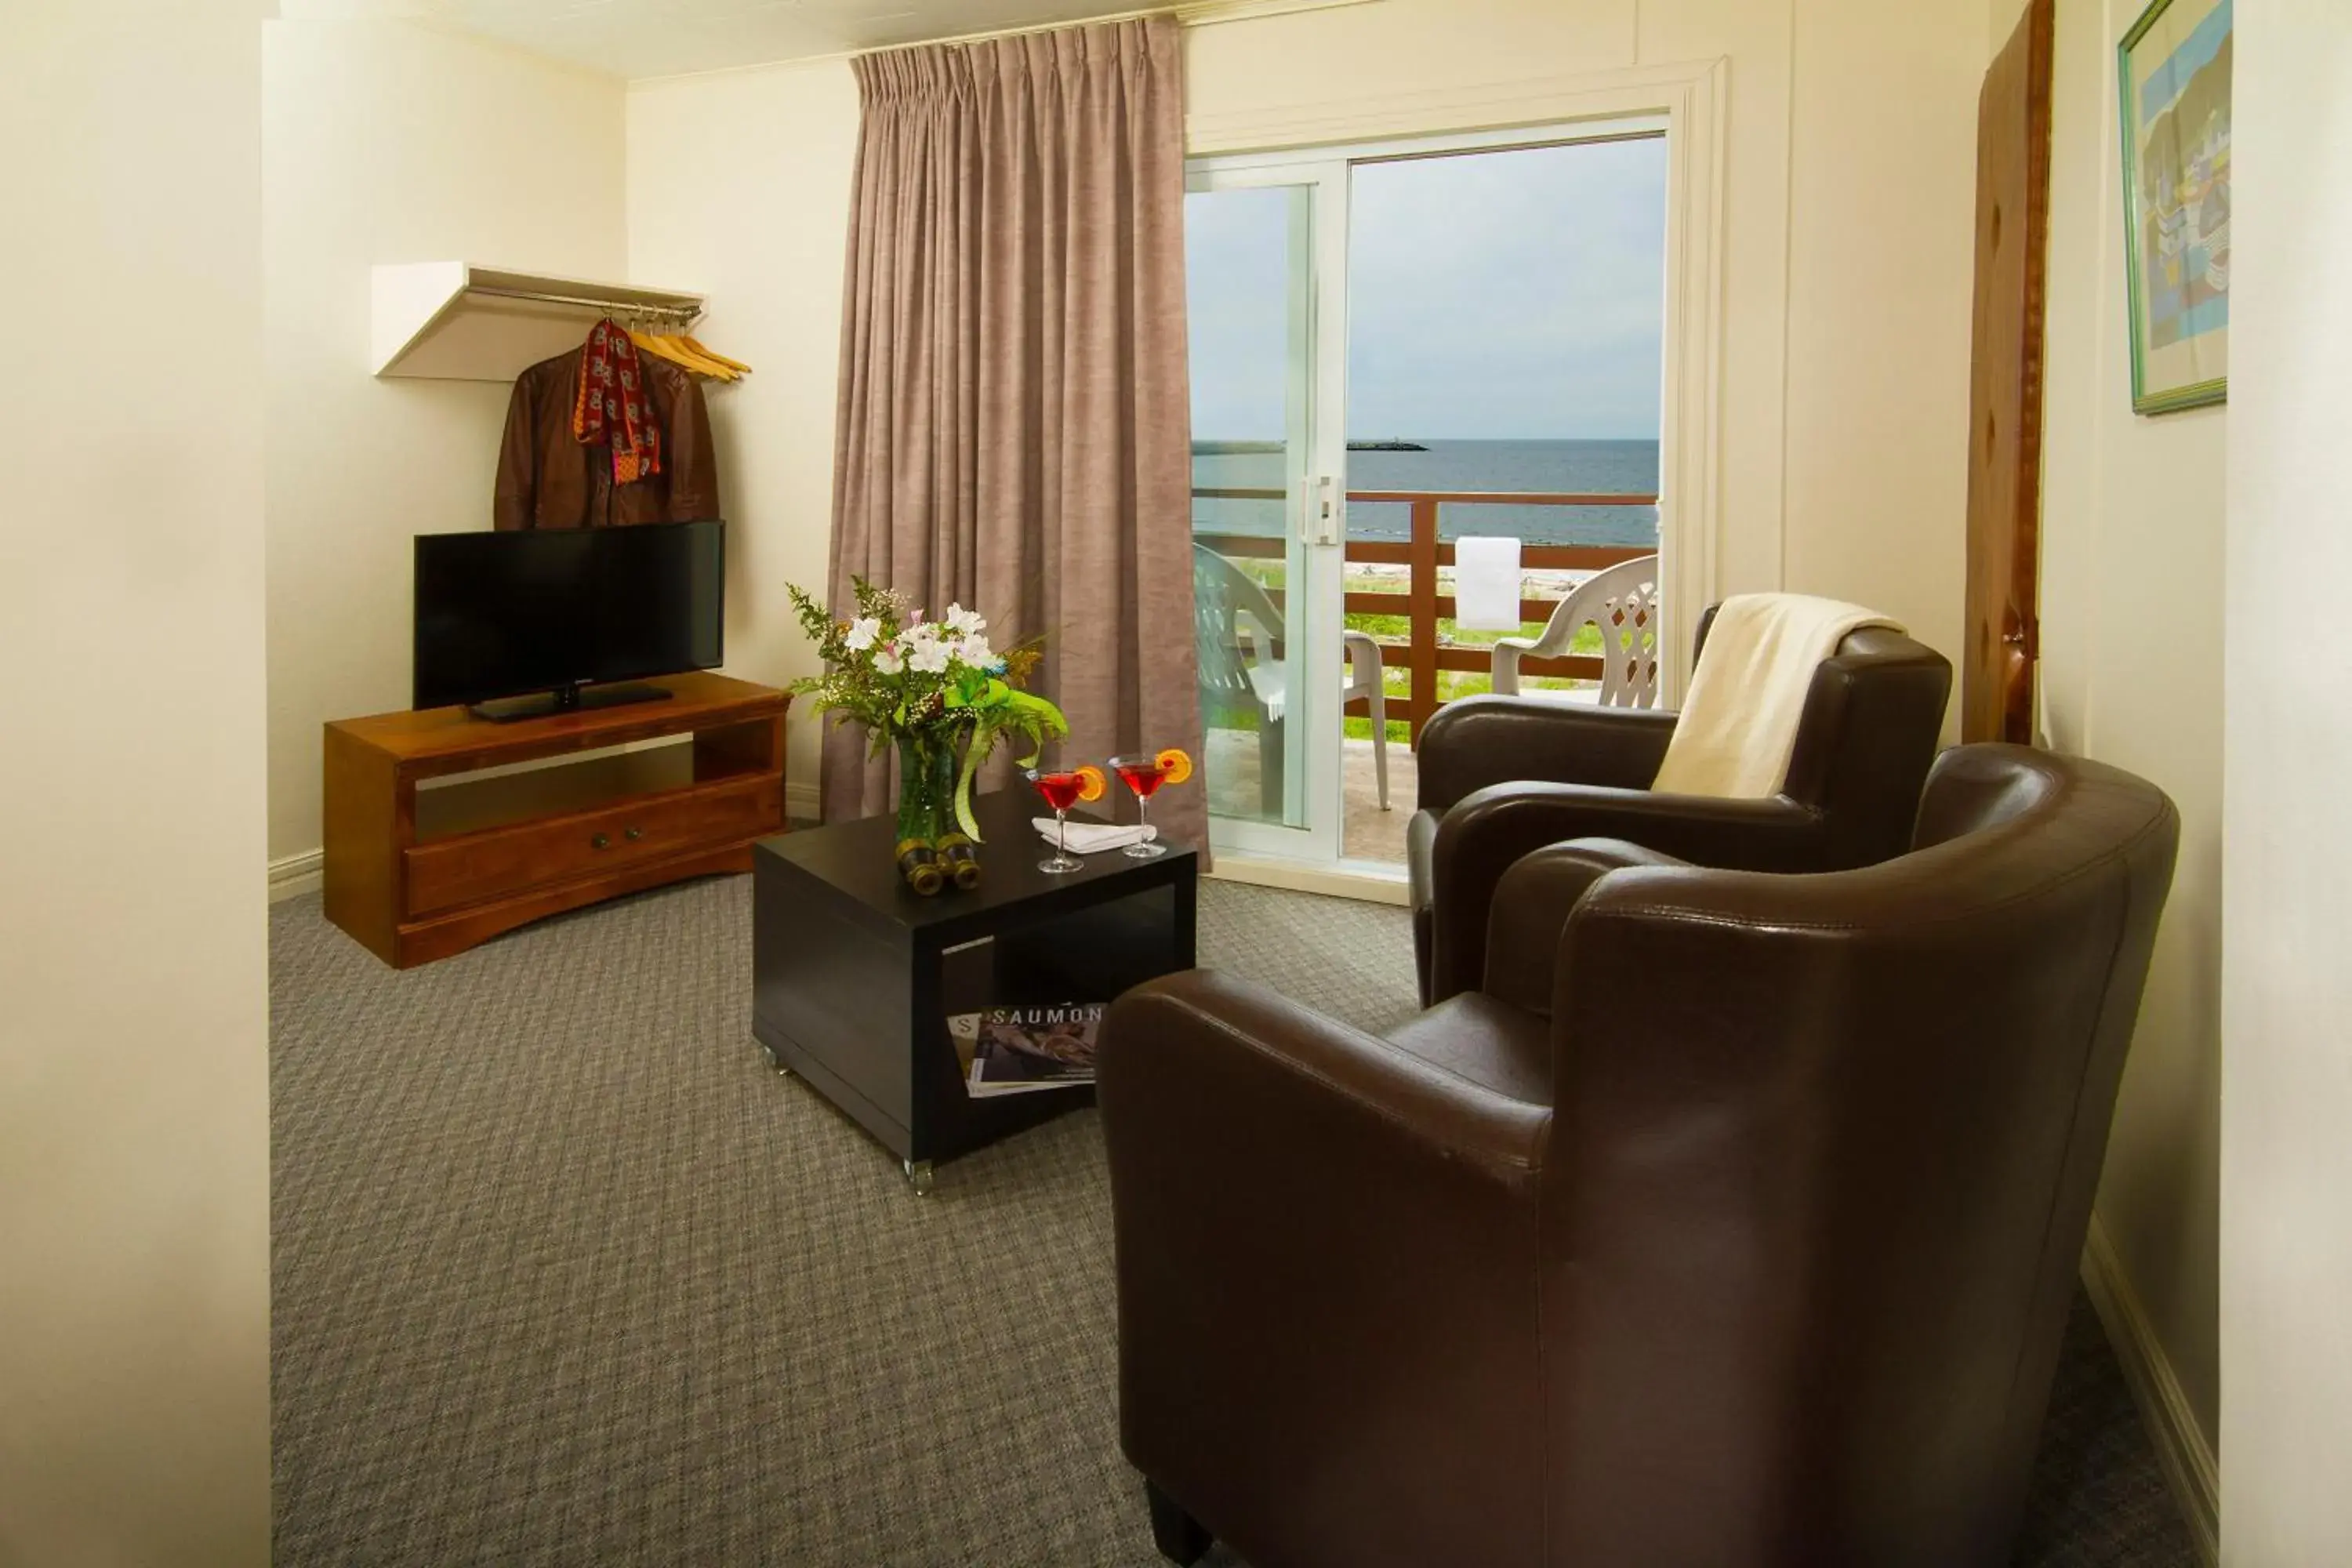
(677, 349)
(648, 344)
(667, 346)
(737, 365)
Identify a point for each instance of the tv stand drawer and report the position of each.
(502, 862)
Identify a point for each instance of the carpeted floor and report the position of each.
(565, 1274)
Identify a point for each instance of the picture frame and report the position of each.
(2173, 73)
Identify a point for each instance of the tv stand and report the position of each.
(435, 841)
(570, 698)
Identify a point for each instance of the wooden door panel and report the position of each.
(2012, 219)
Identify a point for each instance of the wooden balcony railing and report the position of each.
(1423, 655)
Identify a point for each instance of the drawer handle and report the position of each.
(634, 834)
(602, 841)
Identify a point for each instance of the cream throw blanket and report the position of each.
(1738, 725)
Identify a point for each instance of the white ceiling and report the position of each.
(664, 37)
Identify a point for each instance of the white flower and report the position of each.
(889, 660)
(974, 651)
(862, 632)
(965, 623)
(930, 655)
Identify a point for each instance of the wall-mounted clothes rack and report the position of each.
(604, 306)
(458, 321)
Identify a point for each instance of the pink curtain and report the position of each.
(1016, 419)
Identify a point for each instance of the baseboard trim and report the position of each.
(1338, 882)
(295, 875)
(803, 801)
(2180, 1444)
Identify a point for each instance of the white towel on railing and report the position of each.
(1486, 584)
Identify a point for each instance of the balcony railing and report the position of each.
(1423, 655)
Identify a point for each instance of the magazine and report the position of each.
(1020, 1050)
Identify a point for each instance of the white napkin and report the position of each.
(1486, 584)
(1092, 837)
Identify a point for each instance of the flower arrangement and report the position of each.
(944, 696)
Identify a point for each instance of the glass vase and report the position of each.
(932, 851)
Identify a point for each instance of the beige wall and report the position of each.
(2286, 1170)
(134, 1131)
(1881, 278)
(738, 187)
(2132, 674)
(388, 142)
(1847, 289)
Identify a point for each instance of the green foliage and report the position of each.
(939, 683)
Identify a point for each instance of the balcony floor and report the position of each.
(1367, 832)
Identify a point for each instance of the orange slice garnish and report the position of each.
(1091, 783)
(1174, 765)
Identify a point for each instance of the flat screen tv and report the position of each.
(554, 619)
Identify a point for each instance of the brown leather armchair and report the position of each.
(1733, 1220)
(1503, 775)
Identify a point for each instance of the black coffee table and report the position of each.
(853, 976)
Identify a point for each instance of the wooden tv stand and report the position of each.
(422, 863)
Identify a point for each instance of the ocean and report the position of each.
(1589, 468)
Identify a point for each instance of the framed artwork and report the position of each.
(2174, 94)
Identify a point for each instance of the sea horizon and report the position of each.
(1590, 465)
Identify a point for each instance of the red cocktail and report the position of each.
(1060, 790)
(1064, 788)
(1143, 777)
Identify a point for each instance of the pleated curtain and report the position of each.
(1014, 428)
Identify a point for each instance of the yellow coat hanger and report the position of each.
(677, 349)
(737, 365)
(647, 343)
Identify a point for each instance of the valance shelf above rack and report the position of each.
(458, 321)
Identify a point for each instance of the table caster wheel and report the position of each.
(775, 1061)
(919, 1176)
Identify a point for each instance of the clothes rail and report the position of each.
(617, 306)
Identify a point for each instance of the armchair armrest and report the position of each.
(1192, 1047)
(1480, 741)
(1295, 1201)
(1481, 837)
(1532, 903)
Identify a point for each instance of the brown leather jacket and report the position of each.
(547, 479)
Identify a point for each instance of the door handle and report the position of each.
(1322, 512)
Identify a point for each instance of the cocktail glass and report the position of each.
(1061, 787)
(1144, 775)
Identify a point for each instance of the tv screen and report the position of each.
(502, 614)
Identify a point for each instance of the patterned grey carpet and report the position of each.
(564, 1274)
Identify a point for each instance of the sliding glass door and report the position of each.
(1266, 277)
(1484, 316)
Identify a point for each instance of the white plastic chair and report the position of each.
(1238, 640)
(1623, 601)
(1364, 680)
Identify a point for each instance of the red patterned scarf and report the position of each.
(614, 408)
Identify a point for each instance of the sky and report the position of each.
(1497, 296)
